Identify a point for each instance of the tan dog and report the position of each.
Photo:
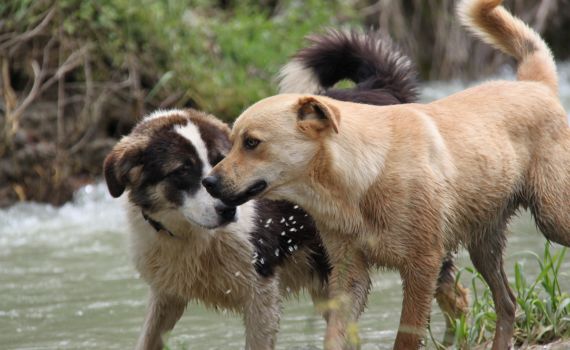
(189, 246)
(398, 186)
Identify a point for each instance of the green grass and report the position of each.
(543, 309)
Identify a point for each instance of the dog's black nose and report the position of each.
(211, 183)
(225, 212)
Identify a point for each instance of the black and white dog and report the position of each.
(189, 246)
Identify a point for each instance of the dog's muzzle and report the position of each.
(226, 213)
(214, 187)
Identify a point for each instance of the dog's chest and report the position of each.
(387, 240)
(219, 274)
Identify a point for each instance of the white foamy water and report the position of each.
(93, 210)
(66, 281)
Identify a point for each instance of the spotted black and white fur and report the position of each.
(189, 246)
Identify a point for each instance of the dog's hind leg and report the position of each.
(549, 199)
(162, 314)
(487, 257)
(261, 316)
(320, 298)
(451, 297)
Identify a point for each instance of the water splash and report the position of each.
(92, 210)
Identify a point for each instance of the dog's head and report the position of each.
(161, 164)
(274, 142)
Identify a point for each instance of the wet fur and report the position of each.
(398, 186)
(273, 250)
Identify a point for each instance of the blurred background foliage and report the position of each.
(76, 75)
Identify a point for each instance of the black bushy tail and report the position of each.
(382, 74)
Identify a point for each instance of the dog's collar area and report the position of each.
(156, 225)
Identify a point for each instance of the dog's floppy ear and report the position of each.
(120, 169)
(115, 184)
(316, 115)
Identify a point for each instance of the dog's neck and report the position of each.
(353, 161)
(156, 225)
(170, 224)
(333, 206)
(350, 161)
(340, 175)
(325, 206)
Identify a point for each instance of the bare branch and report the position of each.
(34, 91)
(97, 115)
(14, 42)
(73, 61)
(98, 105)
(136, 89)
(10, 99)
(543, 14)
(170, 99)
(61, 94)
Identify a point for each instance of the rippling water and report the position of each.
(66, 281)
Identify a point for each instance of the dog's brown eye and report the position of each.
(181, 170)
(250, 142)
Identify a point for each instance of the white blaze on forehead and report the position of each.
(191, 132)
(164, 113)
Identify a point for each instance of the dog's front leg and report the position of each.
(349, 285)
(419, 281)
(261, 316)
(162, 314)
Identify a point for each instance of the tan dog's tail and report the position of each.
(497, 27)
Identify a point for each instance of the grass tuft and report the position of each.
(543, 310)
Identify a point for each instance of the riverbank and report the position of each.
(77, 75)
(36, 170)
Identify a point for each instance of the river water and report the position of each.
(66, 281)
